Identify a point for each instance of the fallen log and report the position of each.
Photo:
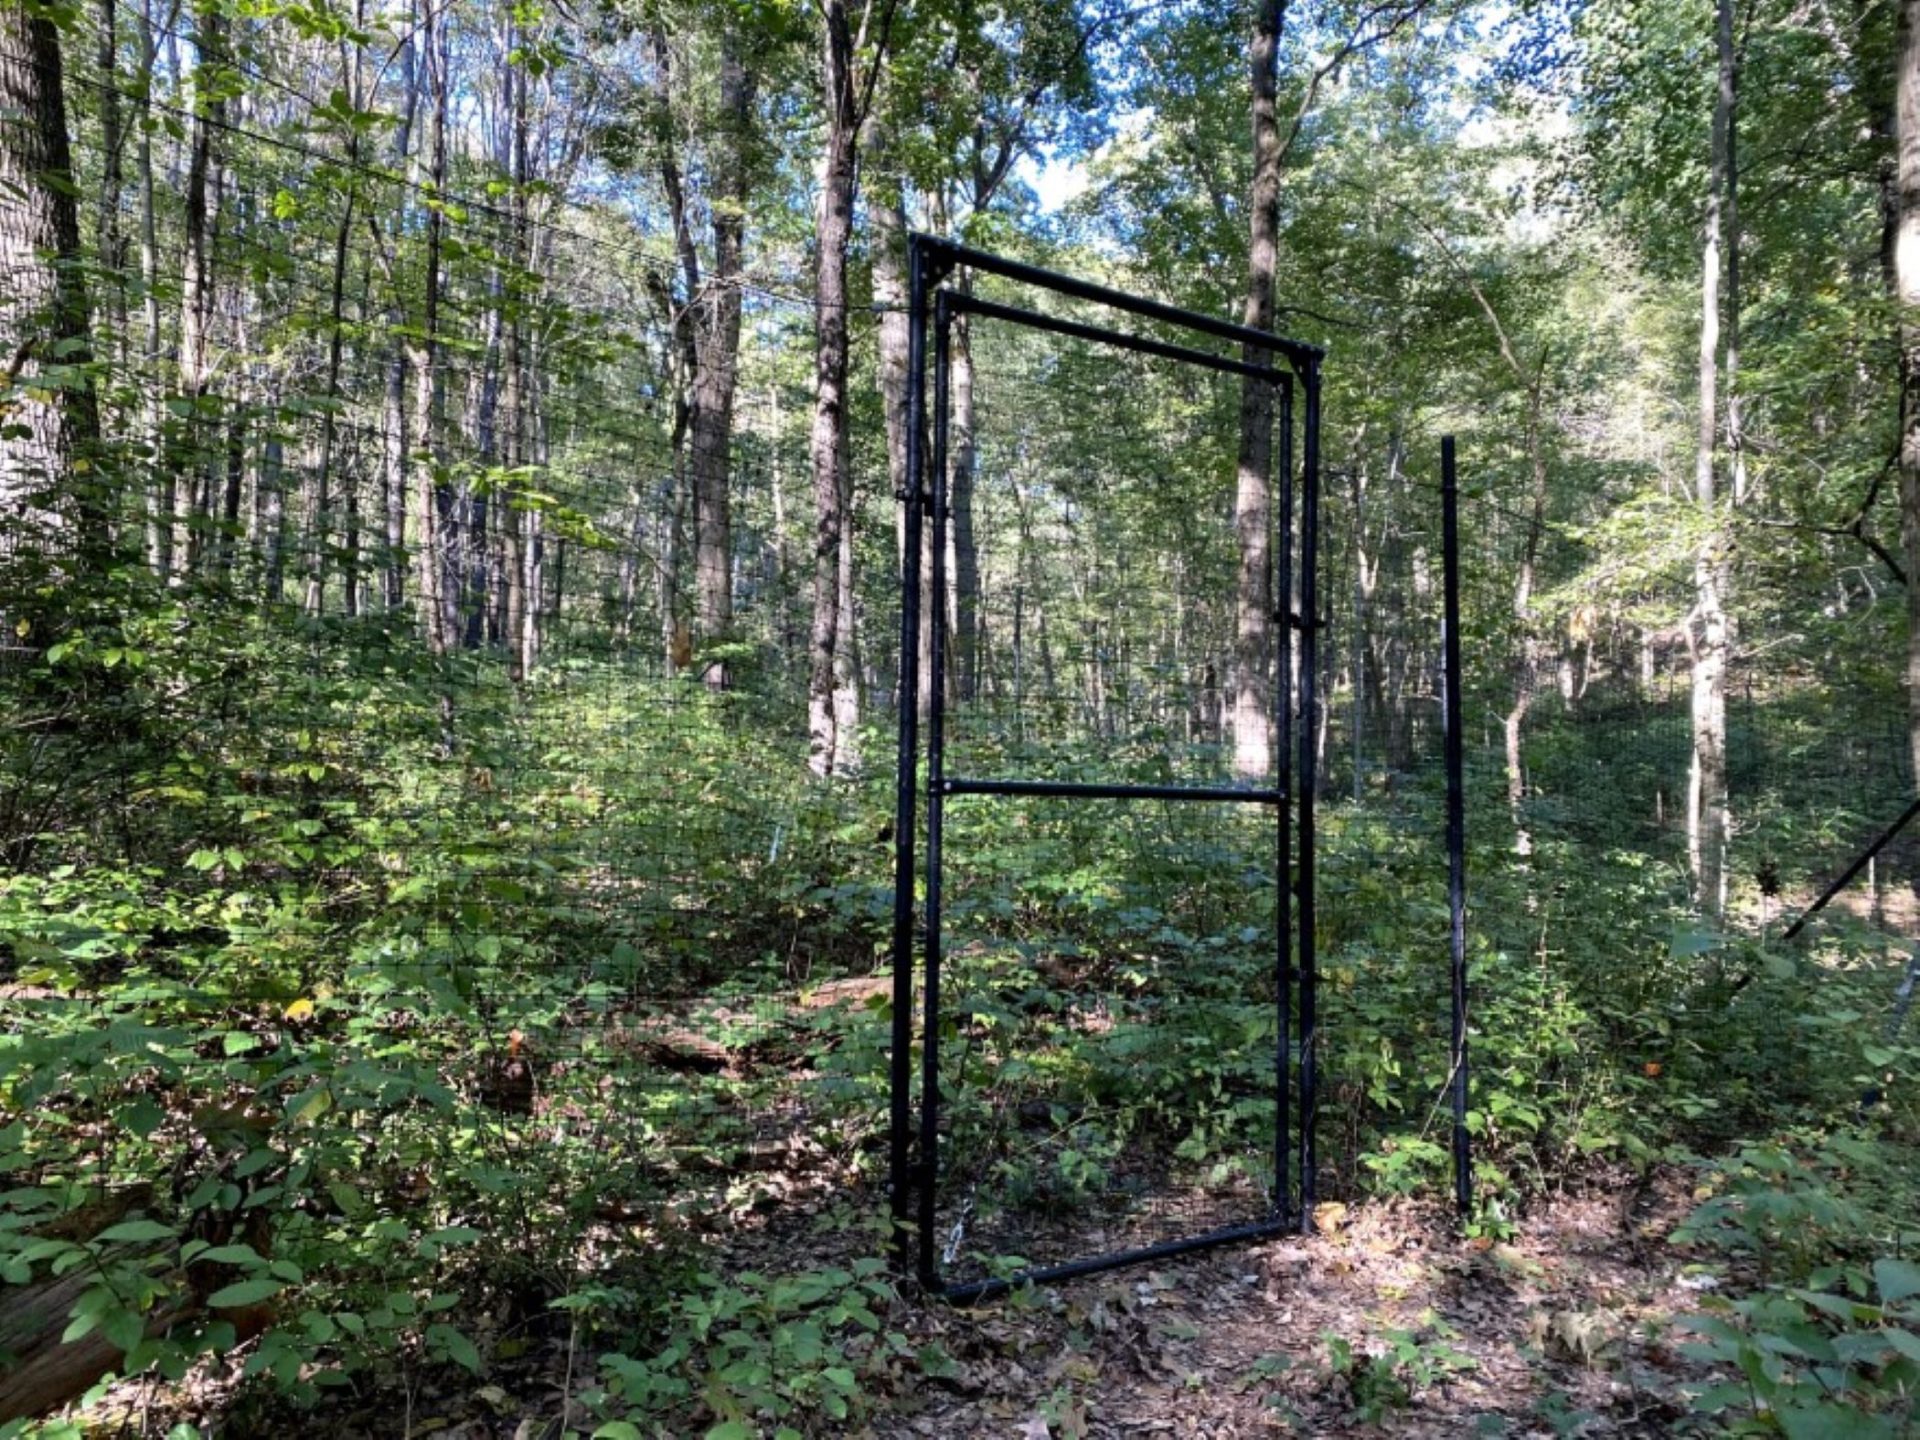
(44, 1371)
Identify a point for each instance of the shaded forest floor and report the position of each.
(1385, 1323)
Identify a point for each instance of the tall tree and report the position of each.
(1710, 626)
(1906, 261)
(49, 420)
(697, 111)
(852, 57)
(1253, 485)
(204, 187)
(718, 349)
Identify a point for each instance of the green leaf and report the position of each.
(1905, 1341)
(137, 1231)
(303, 1109)
(455, 1346)
(618, 1430)
(1818, 1420)
(1897, 1279)
(731, 1430)
(244, 1292)
(232, 1255)
(142, 1117)
(123, 1328)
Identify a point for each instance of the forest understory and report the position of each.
(575, 702)
(1385, 1321)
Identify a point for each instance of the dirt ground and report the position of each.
(1557, 1333)
(1384, 1323)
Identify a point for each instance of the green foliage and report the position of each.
(756, 1350)
(1810, 1363)
(1380, 1382)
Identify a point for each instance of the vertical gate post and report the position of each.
(1308, 781)
(1456, 822)
(1283, 860)
(899, 1180)
(936, 807)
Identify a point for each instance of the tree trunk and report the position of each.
(1709, 632)
(163, 491)
(107, 244)
(428, 500)
(43, 303)
(1253, 489)
(320, 500)
(832, 712)
(197, 295)
(717, 373)
(887, 206)
(1906, 262)
(963, 549)
(516, 399)
(393, 399)
(1729, 100)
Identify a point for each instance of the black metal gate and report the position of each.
(1262, 1196)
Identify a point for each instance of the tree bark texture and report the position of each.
(1710, 634)
(1906, 265)
(48, 419)
(1253, 488)
(716, 375)
(832, 707)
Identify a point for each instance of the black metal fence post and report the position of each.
(1283, 860)
(899, 1178)
(936, 804)
(1308, 781)
(1456, 821)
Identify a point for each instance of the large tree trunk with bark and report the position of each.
(47, 421)
(1253, 489)
(162, 489)
(1710, 633)
(887, 206)
(427, 501)
(1906, 275)
(832, 694)
(1907, 294)
(196, 464)
(717, 373)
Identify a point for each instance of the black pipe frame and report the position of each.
(900, 1066)
(1860, 862)
(1456, 823)
(948, 253)
(1308, 623)
(914, 1178)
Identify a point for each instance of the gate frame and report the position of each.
(913, 1179)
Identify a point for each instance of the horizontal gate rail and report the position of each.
(1069, 789)
(963, 304)
(945, 254)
